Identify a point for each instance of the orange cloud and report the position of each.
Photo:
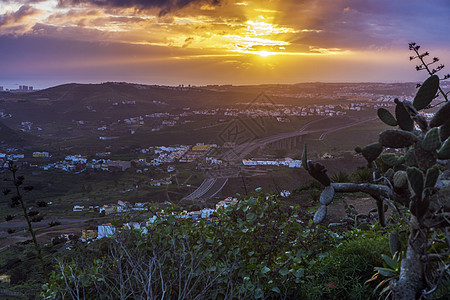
(20, 21)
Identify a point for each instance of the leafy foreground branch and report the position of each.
(256, 249)
(414, 181)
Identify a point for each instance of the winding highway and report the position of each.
(213, 185)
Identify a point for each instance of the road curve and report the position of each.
(214, 184)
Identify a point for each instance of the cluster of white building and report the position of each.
(286, 162)
(166, 154)
(107, 230)
(79, 163)
(124, 102)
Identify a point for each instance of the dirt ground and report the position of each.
(336, 211)
(44, 233)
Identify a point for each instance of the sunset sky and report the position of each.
(49, 42)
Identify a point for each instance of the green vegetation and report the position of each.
(92, 188)
(261, 247)
(256, 249)
(410, 181)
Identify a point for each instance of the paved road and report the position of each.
(323, 135)
(214, 184)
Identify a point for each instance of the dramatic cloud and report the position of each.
(242, 40)
(17, 22)
(18, 16)
(165, 5)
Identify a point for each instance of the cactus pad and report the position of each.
(403, 118)
(415, 178)
(410, 158)
(320, 214)
(419, 207)
(444, 130)
(425, 159)
(304, 158)
(421, 121)
(394, 243)
(426, 93)
(432, 141)
(372, 151)
(386, 117)
(319, 172)
(390, 159)
(396, 138)
(432, 176)
(400, 179)
(441, 116)
(327, 195)
(444, 152)
(412, 111)
(389, 173)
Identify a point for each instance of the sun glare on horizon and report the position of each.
(264, 53)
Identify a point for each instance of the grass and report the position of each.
(97, 188)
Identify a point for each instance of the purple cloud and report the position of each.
(24, 11)
(165, 5)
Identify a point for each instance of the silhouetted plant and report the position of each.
(413, 185)
(9, 217)
(41, 204)
(30, 216)
(340, 177)
(54, 223)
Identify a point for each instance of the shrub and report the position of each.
(341, 273)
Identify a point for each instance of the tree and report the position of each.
(415, 183)
(30, 216)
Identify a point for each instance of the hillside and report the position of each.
(11, 138)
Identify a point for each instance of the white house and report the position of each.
(106, 230)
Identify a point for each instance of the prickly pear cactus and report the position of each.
(371, 152)
(394, 243)
(319, 172)
(397, 138)
(441, 116)
(410, 158)
(386, 117)
(432, 140)
(400, 179)
(444, 152)
(304, 158)
(320, 214)
(389, 173)
(390, 159)
(444, 130)
(414, 169)
(427, 92)
(403, 118)
(431, 177)
(415, 178)
(327, 195)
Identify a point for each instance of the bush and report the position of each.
(258, 248)
(342, 272)
(340, 177)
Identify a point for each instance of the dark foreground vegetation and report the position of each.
(255, 249)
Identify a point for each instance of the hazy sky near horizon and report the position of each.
(49, 42)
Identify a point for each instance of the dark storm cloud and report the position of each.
(165, 6)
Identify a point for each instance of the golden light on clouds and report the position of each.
(217, 41)
(242, 27)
